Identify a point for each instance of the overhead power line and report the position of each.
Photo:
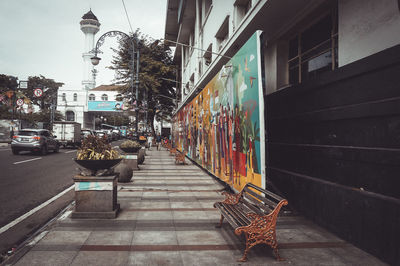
(127, 16)
(194, 47)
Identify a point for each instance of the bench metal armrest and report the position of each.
(261, 224)
(231, 199)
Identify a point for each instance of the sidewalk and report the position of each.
(167, 218)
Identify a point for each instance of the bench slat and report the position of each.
(239, 217)
(227, 215)
(254, 205)
(268, 202)
(241, 211)
(266, 192)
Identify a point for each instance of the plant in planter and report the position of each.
(130, 146)
(96, 154)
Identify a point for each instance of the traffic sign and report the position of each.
(23, 84)
(38, 92)
(20, 102)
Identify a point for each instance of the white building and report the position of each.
(83, 104)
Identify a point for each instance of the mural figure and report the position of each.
(220, 127)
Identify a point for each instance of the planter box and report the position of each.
(130, 150)
(131, 160)
(95, 197)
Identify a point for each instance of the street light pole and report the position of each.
(135, 76)
(137, 88)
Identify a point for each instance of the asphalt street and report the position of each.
(27, 180)
(33, 190)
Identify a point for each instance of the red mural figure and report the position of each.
(236, 147)
(230, 148)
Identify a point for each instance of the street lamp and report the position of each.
(135, 76)
(95, 60)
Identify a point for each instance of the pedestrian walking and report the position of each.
(158, 140)
(149, 141)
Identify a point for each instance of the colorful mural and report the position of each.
(222, 128)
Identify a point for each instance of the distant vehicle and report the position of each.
(85, 133)
(34, 140)
(109, 134)
(123, 130)
(132, 135)
(116, 134)
(68, 133)
(101, 134)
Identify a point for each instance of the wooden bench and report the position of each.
(180, 157)
(253, 214)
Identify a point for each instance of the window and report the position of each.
(186, 89)
(75, 97)
(191, 41)
(200, 68)
(104, 97)
(119, 97)
(185, 55)
(191, 85)
(314, 50)
(64, 97)
(242, 8)
(92, 97)
(207, 55)
(222, 34)
(70, 116)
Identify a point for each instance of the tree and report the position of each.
(49, 87)
(8, 85)
(9, 92)
(155, 74)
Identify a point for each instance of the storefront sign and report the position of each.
(109, 106)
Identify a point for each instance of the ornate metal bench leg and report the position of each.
(244, 258)
(276, 253)
(220, 222)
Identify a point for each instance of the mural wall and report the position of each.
(222, 128)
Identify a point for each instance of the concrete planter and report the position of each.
(131, 160)
(141, 156)
(95, 197)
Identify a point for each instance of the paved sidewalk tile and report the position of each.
(85, 258)
(154, 238)
(110, 238)
(164, 258)
(65, 238)
(47, 258)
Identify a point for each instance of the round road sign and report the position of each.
(20, 102)
(38, 92)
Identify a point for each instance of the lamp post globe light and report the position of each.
(135, 76)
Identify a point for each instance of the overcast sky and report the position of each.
(43, 37)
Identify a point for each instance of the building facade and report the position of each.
(84, 104)
(330, 104)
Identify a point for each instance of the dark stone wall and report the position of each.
(333, 149)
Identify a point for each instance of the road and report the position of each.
(28, 180)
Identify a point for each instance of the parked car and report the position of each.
(85, 133)
(34, 140)
(101, 134)
(109, 134)
(116, 134)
